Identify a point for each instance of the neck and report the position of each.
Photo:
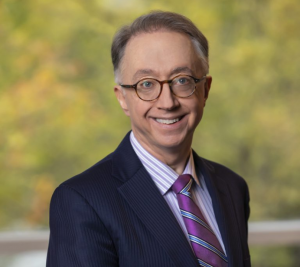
(176, 163)
(175, 157)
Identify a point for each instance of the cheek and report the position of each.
(199, 93)
(197, 111)
(138, 108)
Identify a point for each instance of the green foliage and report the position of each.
(275, 256)
(59, 115)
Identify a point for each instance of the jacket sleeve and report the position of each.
(77, 235)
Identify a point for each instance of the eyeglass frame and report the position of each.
(134, 86)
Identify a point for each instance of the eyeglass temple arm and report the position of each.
(128, 86)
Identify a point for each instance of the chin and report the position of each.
(171, 142)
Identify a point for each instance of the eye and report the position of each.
(146, 84)
(182, 81)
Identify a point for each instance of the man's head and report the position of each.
(155, 48)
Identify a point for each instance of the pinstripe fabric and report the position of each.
(164, 177)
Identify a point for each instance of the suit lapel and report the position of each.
(224, 210)
(230, 225)
(149, 205)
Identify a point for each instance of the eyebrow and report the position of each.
(181, 69)
(142, 72)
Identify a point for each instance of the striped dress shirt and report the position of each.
(164, 177)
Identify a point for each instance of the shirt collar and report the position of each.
(162, 175)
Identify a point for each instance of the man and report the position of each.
(154, 201)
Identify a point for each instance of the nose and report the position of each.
(167, 100)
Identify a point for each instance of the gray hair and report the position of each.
(155, 21)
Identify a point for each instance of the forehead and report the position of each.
(159, 54)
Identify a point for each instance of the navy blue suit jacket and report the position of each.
(114, 215)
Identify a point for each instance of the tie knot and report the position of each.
(184, 181)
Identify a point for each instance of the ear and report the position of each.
(207, 87)
(121, 98)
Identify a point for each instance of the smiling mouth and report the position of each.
(165, 121)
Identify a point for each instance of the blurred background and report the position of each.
(59, 115)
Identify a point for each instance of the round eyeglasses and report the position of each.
(149, 89)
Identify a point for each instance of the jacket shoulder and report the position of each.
(97, 176)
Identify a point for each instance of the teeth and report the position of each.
(167, 121)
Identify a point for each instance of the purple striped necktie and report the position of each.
(203, 240)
